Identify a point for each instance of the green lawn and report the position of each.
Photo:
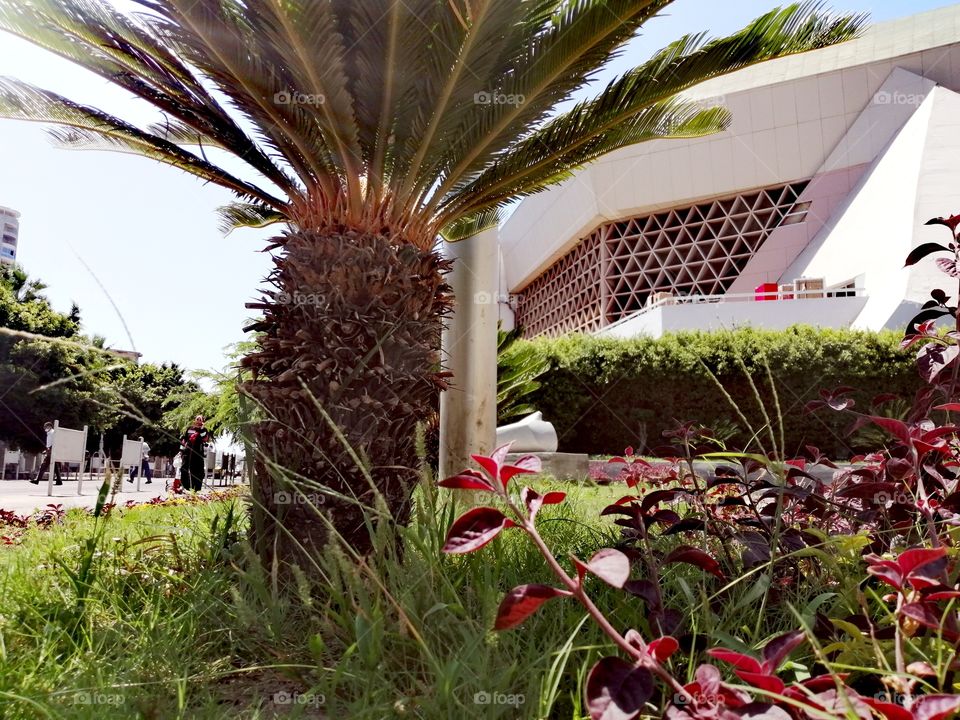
(178, 620)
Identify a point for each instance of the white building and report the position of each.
(821, 187)
(9, 234)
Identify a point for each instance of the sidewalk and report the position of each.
(22, 497)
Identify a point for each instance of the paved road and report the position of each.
(22, 497)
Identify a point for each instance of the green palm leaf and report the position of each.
(394, 137)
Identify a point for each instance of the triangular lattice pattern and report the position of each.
(696, 250)
(566, 297)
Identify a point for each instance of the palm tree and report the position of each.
(370, 129)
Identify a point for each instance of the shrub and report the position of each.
(604, 394)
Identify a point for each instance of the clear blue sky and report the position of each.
(148, 232)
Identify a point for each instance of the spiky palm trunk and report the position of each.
(348, 365)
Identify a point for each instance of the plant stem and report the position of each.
(637, 653)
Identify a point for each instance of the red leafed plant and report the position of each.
(620, 688)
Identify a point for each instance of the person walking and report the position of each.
(144, 464)
(193, 446)
(45, 465)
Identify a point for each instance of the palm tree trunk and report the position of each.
(348, 365)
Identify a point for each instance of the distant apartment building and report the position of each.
(9, 233)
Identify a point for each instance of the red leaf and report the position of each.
(611, 566)
(777, 650)
(467, 480)
(922, 614)
(770, 683)
(527, 464)
(693, 556)
(663, 648)
(943, 595)
(933, 360)
(533, 500)
(474, 529)
(935, 707)
(948, 266)
(951, 222)
(740, 661)
(617, 690)
(888, 575)
(951, 407)
(499, 456)
(489, 466)
(891, 711)
(921, 251)
(910, 560)
(897, 428)
(523, 601)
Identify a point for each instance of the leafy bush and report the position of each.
(519, 365)
(604, 394)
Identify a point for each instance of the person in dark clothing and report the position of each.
(193, 446)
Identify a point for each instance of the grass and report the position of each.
(180, 621)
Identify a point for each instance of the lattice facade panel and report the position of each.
(696, 250)
(566, 297)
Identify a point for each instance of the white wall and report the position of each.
(770, 315)
(873, 232)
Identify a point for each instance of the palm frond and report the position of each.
(541, 159)
(226, 43)
(471, 225)
(567, 43)
(247, 215)
(89, 128)
(128, 52)
(467, 55)
(301, 36)
(691, 60)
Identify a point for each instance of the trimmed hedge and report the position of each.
(605, 394)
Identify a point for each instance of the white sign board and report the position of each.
(132, 456)
(69, 446)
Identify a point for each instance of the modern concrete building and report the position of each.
(803, 211)
(9, 235)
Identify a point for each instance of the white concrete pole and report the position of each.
(468, 410)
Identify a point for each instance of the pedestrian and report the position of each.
(193, 446)
(45, 465)
(144, 464)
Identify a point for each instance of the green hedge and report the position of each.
(605, 394)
